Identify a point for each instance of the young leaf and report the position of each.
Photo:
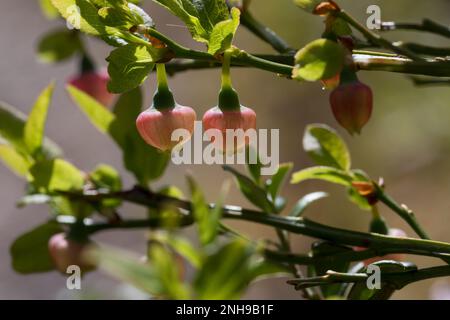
(199, 16)
(182, 247)
(329, 174)
(100, 116)
(54, 175)
(320, 59)
(130, 65)
(48, 9)
(326, 147)
(127, 267)
(168, 271)
(305, 202)
(188, 14)
(35, 125)
(359, 200)
(252, 191)
(82, 15)
(254, 168)
(223, 32)
(308, 5)
(58, 45)
(29, 252)
(107, 179)
(276, 181)
(14, 160)
(12, 130)
(225, 273)
(208, 220)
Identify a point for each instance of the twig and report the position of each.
(427, 25)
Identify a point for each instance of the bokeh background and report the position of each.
(407, 141)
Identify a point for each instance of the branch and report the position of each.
(405, 213)
(425, 82)
(377, 39)
(427, 25)
(399, 280)
(402, 65)
(295, 225)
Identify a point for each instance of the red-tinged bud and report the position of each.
(65, 252)
(156, 126)
(331, 83)
(222, 120)
(352, 104)
(326, 7)
(397, 233)
(94, 83)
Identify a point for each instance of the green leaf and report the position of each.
(225, 273)
(340, 27)
(322, 173)
(29, 252)
(208, 221)
(305, 202)
(185, 10)
(48, 9)
(182, 247)
(326, 147)
(127, 267)
(58, 45)
(276, 181)
(168, 271)
(12, 130)
(320, 59)
(107, 179)
(308, 5)
(82, 15)
(223, 33)
(359, 200)
(199, 16)
(14, 160)
(114, 17)
(100, 116)
(57, 174)
(252, 191)
(35, 125)
(254, 168)
(130, 65)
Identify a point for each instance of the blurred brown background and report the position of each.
(407, 142)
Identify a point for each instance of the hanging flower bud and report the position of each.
(243, 118)
(93, 82)
(156, 126)
(229, 114)
(157, 123)
(352, 104)
(65, 252)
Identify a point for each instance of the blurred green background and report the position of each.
(407, 141)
